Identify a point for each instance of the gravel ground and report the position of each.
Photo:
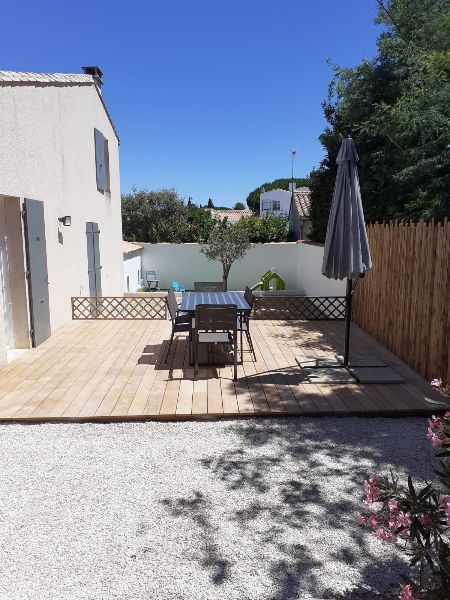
(237, 510)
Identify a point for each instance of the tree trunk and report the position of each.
(225, 278)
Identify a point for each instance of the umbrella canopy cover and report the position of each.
(346, 252)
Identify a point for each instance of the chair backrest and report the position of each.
(249, 296)
(150, 275)
(209, 286)
(172, 304)
(175, 286)
(215, 317)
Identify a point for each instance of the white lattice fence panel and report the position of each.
(308, 308)
(119, 307)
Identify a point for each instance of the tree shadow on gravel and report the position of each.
(196, 508)
(280, 470)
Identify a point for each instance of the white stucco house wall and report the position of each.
(60, 214)
(132, 266)
(276, 202)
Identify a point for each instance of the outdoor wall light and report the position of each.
(66, 221)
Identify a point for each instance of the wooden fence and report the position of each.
(404, 300)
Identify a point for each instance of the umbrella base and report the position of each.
(362, 361)
(329, 375)
(306, 362)
(361, 369)
(376, 375)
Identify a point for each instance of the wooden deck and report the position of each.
(114, 370)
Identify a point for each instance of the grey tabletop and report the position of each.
(190, 300)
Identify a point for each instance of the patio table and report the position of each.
(190, 300)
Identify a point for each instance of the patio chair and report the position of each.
(180, 323)
(209, 286)
(152, 281)
(215, 324)
(243, 323)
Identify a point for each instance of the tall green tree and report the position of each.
(239, 206)
(398, 107)
(161, 216)
(277, 184)
(153, 216)
(200, 223)
(269, 228)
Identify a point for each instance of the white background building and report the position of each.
(296, 206)
(276, 202)
(58, 148)
(132, 266)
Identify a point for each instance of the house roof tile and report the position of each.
(128, 247)
(302, 202)
(233, 216)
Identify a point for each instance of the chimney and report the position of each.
(96, 74)
(292, 184)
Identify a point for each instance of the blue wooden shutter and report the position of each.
(98, 266)
(36, 251)
(100, 160)
(93, 259)
(107, 175)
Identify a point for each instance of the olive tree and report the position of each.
(226, 244)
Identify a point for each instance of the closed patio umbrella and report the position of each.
(346, 253)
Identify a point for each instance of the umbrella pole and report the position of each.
(348, 318)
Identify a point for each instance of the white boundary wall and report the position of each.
(309, 272)
(299, 264)
(132, 270)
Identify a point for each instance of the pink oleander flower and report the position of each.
(393, 524)
(396, 524)
(437, 423)
(406, 592)
(362, 520)
(425, 519)
(374, 519)
(404, 519)
(393, 505)
(434, 437)
(447, 414)
(371, 490)
(384, 535)
(440, 387)
(445, 502)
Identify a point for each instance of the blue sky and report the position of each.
(208, 97)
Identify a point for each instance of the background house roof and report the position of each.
(302, 202)
(128, 247)
(275, 190)
(8, 78)
(233, 216)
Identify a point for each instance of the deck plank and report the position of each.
(215, 406)
(200, 397)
